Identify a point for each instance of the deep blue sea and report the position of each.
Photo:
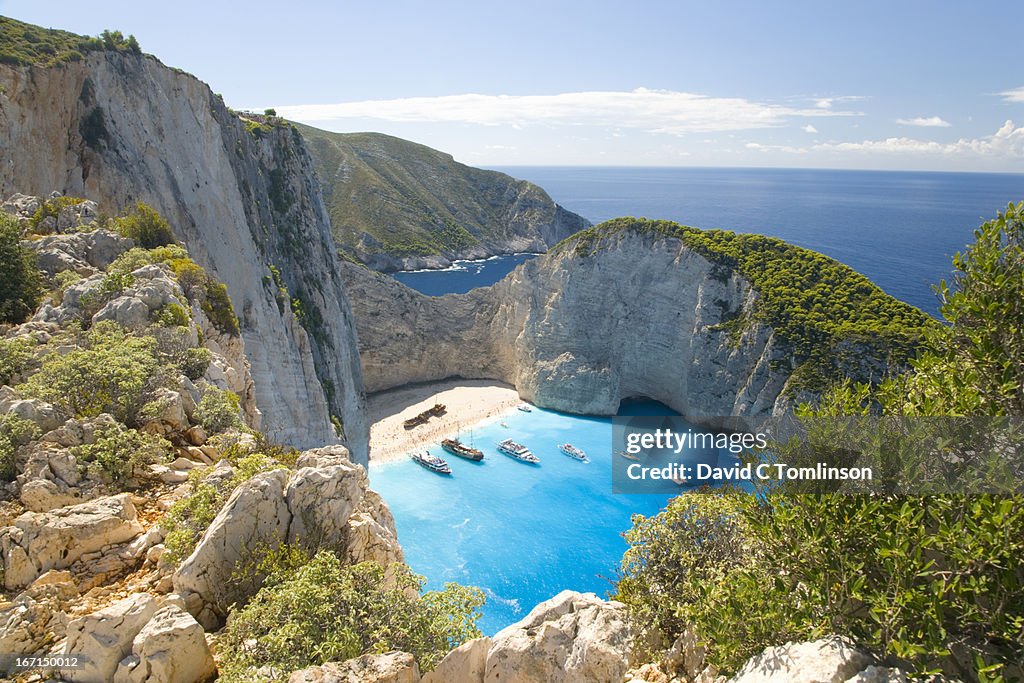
(523, 533)
(898, 228)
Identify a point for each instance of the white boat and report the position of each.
(573, 452)
(431, 462)
(525, 407)
(517, 451)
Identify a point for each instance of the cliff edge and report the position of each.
(119, 127)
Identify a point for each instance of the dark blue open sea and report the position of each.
(523, 533)
(898, 228)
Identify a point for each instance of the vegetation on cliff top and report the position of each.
(810, 300)
(27, 44)
(931, 583)
(387, 195)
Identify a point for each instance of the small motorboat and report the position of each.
(525, 407)
(517, 451)
(573, 452)
(431, 462)
(627, 456)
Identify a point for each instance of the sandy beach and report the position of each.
(469, 402)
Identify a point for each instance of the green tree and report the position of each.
(21, 284)
(146, 226)
(326, 611)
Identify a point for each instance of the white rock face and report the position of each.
(392, 667)
(641, 317)
(326, 503)
(172, 144)
(829, 660)
(105, 637)
(467, 662)
(571, 638)
(170, 648)
(37, 542)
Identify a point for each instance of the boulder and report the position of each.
(105, 637)
(573, 638)
(170, 648)
(39, 412)
(37, 541)
(324, 504)
(126, 311)
(828, 660)
(392, 667)
(467, 662)
(255, 515)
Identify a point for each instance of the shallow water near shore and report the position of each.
(521, 532)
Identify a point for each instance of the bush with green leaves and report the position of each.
(146, 226)
(189, 517)
(113, 371)
(218, 410)
(14, 432)
(326, 611)
(21, 283)
(121, 454)
(16, 356)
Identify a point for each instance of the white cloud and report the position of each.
(828, 102)
(1016, 95)
(655, 111)
(923, 122)
(1008, 141)
(758, 147)
(809, 129)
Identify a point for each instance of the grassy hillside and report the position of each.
(403, 200)
(26, 44)
(811, 300)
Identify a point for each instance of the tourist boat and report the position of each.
(573, 452)
(456, 447)
(628, 456)
(525, 407)
(431, 462)
(517, 451)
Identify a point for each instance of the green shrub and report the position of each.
(189, 517)
(114, 372)
(21, 283)
(194, 362)
(324, 611)
(172, 315)
(146, 226)
(218, 410)
(217, 307)
(121, 454)
(51, 208)
(16, 356)
(111, 286)
(14, 432)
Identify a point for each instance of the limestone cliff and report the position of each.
(710, 323)
(117, 127)
(398, 205)
(642, 317)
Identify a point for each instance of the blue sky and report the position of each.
(894, 85)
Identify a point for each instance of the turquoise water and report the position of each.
(520, 532)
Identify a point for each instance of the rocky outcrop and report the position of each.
(398, 205)
(170, 648)
(323, 504)
(117, 128)
(37, 542)
(573, 637)
(829, 660)
(641, 316)
(392, 667)
(105, 637)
